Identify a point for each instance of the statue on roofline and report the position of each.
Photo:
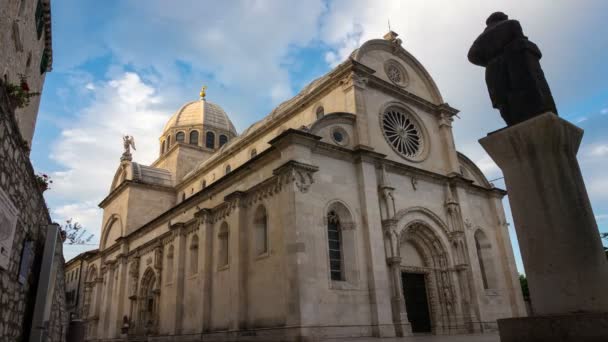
(128, 141)
(515, 79)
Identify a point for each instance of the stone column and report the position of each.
(393, 258)
(241, 267)
(445, 131)
(297, 209)
(121, 296)
(133, 286)
(353, 86)
(179, 273)
(560, 245)
(379, 281)
(204, 216)
(462, 263)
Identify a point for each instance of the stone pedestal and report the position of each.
(562, 253)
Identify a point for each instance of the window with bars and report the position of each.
(334, 238)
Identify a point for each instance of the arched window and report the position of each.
(204, 184)
(183, 196)
(223, 251)
(162, 147)
(223, 140)
(334, 238)
(260, 224)
(170, 265)
(254, 153)
(194, 254)
(484, 255)
(320, 112)
(194, 138)
(228, 169)
(180, 137)
(210, 140)
(168, 141)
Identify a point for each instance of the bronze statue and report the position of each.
(515, 80)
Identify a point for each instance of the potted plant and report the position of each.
(44, 182)
(19, 95)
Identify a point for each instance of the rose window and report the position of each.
(394, 74)
(403, 133)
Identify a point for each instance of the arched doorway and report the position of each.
(427, 279)
(148, 304)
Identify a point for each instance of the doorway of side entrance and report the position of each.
(416, 302)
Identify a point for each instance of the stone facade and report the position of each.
(346, 212)
(25, 37)
(18, 181)
(75, 282)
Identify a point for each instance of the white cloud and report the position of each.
(89, 148)
(604, 111)
(600, 150)
(581, 119)
(86, 213)
(598, 188)
(488, 166)
(601, 217)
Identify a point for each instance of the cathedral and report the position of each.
(346, 212)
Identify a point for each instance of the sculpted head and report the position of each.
(496, 18)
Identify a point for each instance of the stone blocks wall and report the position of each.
(17, 179)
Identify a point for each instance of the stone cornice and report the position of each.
(410, 98)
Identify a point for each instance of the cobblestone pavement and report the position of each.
(428, 338)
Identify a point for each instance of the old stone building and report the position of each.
(27, 307)
(26, 41)
(347, 211)
(74, 271)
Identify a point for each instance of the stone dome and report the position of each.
(201, 112)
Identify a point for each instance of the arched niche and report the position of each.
(260, 226)
(111, 232)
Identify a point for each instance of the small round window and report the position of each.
(403, 133)
(339, 136)
(396, 73)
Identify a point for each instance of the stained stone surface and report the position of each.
(18, 181)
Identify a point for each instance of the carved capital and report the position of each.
(300, 174)
(394, 260)
(353, 80)
(389, 224)
(204, 215)
(445, 120)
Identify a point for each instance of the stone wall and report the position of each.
(17, 179)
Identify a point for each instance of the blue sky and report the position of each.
(122, 68)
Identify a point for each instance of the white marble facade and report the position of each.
(346, 212)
